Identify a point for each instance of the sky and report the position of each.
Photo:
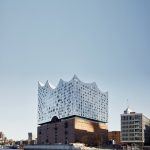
(104, 41)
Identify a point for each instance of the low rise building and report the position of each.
(114, 136)
(73, 130)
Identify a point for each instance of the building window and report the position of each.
(46, 140)
(66, 132)
(66, 140)
(66, 124)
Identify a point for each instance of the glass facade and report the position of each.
(72, 98)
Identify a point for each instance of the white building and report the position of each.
(135, 128)
(72, 98)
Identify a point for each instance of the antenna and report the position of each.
(127, 103)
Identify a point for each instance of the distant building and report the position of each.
(114, 136)
(135, 128)
(29, 137)
(72, 112)
(2, 137)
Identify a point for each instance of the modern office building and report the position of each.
(135, 128)
(71, 112)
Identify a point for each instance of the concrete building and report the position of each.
(114, 136)
(30, 138)
(135, 128)
(71, 112)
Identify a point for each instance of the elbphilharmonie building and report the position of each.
(72, 112)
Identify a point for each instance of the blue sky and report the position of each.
(103, 41)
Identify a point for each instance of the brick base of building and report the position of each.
(73, 130)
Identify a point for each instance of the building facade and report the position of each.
(67, 102)
(30, 138)
(114, 136)
(135, 128)
(73, 130)
(72, 98)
